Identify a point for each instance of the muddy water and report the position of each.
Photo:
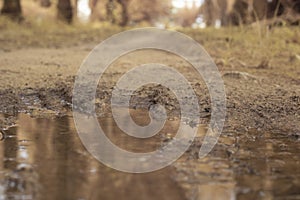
(250, 165)
(267, 166)
(44, 159)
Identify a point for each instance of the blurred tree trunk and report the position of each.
(110, 11)
(65, 11)
(45, 3)
(12, 8)
(93, 7)
(209, 13)
(214, 10)
(125, 18)
(75, 8)
(260, 9)
(223, 8)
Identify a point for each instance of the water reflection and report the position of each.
(44, 159)
(270, 167)
(252, 165)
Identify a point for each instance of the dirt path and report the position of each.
(41, 80)
(262, 80)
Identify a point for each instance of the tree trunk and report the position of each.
(260, 9)
(125, 18)
(12, 8)
(64, 11)
(75, 9)
(110, 11)
(208, 12)
(94, 12)
(45, 3)
(240, 13)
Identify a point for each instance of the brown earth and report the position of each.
(260, 68)
(261, 72)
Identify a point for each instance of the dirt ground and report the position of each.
(260, 68)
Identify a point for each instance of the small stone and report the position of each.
(2, 135)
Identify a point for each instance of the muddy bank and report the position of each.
(40, 81)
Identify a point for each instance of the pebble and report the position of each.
(2, 135)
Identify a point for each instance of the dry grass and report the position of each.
(246, 48)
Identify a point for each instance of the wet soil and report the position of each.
(256, 157)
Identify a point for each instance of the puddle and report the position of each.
(269, 166)
(248, 166)
(44, 159)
